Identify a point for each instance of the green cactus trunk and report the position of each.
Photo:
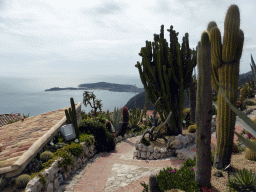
(166, 73)
(226, 118)
(225, 61)
(192, 103)
(71, 116)
(203, 113)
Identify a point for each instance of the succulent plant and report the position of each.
(45, 156)
(22, 181)
(249, 154)
(125, 121)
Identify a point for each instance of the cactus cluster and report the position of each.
(225, 62)
(116, 118)
(167, 72)
(71, 116)
(108, 125)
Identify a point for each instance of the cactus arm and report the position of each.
(68, 121)
(230, 39)
(74, 119)
(226, 75)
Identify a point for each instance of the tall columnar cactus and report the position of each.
(125, 113)
(166, 73)
(242, 97)
(192, 92)
(203, 113)
(125, 121)
(71, 116)
(225, 61)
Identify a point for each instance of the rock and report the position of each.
(60, 178)
(50, 187)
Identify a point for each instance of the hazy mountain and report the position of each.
(140, 98)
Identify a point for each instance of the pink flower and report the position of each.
(250, 136)
(206, 189)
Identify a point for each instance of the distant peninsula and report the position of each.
(102, 86)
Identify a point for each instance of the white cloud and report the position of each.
(104, 36)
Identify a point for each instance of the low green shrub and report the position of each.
(22, 181)
(86, 138)
(68, 160)
(98, 130)
(46, 155)
(75, 149)
(183, 179)
(110, 142)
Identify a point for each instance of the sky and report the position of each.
(49, 38)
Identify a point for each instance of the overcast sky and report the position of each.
(57, 37)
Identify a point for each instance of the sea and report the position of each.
(27, 96)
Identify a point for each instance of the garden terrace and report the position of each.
(21, 141)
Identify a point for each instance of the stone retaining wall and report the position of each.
(150, 153)
(55, 175)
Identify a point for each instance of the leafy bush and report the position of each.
(86, 138)
(45, 156)
(98, 130)
(67, 158)
(110, 142)
(22, 181)
(183, 179)
(75, 149)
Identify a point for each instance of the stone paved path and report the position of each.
(117, 171)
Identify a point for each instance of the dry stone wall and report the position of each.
(150, 153)
(54, 176)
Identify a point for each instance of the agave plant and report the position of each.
(253, 70)
(243, 180)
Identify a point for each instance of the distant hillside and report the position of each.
(140, 101)
(140, 98)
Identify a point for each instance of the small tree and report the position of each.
(87, 96)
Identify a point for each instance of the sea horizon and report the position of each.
(26, 95)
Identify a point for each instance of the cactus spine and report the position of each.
(71, 116)
(225, 64)
(203, 112)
